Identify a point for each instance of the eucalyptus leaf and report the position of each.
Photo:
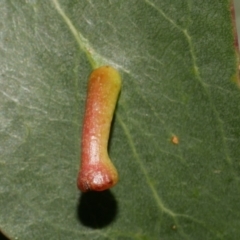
(180, 81)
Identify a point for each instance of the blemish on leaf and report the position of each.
(175, 140)
(174, 227)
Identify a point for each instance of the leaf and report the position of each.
(178, 65)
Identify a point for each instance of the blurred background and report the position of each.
(237, 12)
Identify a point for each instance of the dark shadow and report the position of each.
(97, 209)
(111, 131)
(2, 237)
(113, 123)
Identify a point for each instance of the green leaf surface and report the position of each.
(178, 66)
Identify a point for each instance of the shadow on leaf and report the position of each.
(2, 237)
(97, 209)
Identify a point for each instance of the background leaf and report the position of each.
(179, 71)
